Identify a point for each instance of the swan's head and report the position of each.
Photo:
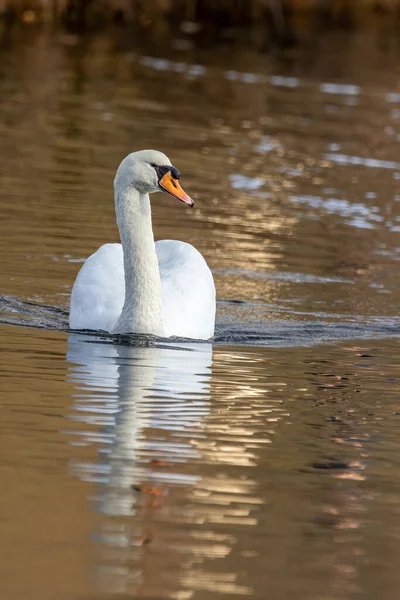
(150, 171)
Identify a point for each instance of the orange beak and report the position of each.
(171, 185)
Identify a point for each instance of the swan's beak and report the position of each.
(171, 185)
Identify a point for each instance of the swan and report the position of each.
(165, 288)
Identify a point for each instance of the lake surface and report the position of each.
(265, 463)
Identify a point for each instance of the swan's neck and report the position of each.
(142, 310)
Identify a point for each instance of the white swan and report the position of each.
(163, 288)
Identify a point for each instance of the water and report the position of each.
(263, 464)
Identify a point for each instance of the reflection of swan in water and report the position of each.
(142, 395)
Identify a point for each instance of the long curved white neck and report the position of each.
(142, 310)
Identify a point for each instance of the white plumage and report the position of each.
(163, 288)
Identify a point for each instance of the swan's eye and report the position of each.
(153, 165)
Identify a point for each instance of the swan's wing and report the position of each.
(188, 291)
(98, 294)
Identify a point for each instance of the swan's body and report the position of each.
(187, 291)
(164, 288)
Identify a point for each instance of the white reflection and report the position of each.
(375, 163)
(340, 88)
(150, 403)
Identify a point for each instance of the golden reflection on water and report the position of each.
(197, 471)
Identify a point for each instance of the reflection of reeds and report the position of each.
(222, 13)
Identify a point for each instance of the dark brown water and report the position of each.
(264, 464)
